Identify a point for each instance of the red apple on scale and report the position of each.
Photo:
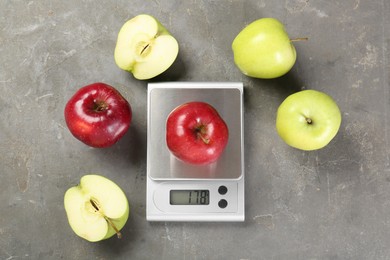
(98, 115)
(196, 133)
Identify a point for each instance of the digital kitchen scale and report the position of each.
(178, 191)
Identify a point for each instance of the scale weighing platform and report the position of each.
(178, 191)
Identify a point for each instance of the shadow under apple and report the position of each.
(117, 247)
(128, 152)
(174, 73)
(268, 94)
(284, 86)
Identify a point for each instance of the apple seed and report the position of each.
(94, 204)
(144, 48)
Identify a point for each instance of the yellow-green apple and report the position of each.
(97, 208)
(263, 49)
(308, 120)
(145, 47)
(98, 115)
(196, 133)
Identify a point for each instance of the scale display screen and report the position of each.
(189, 197)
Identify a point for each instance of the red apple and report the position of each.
(196, 133)
(98, 115)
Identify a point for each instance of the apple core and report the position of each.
(144, 48)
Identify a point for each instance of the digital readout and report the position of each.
(189, 197)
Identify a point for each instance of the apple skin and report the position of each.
(88, 222)
(308, 120)
(98, 115)
(264, 50)
(145, 47)
(196, 133)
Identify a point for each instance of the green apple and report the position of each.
(308, 120)
(97, 208)
(264, 50)
(145, 48)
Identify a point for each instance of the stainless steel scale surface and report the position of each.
(177, 191)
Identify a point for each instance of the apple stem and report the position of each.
(200, 133)
(299, 39)
(118, 233)
(100, 106)
(204, 139)
(309, 121)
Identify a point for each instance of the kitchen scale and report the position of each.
(178, 191)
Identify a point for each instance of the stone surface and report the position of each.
(328, 204)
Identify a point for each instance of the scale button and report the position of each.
(222, 203)
(222, 190)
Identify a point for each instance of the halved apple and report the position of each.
(145, 47)
(97, 208)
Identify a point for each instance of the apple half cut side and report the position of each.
(97, 208)
(145, 47)
(308, 120)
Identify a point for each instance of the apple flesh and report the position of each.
(145, 47)
(97, 208)
(98, 115)
(308, 120)
(196, 133)
(263, 49)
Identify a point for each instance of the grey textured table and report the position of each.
(328, 204)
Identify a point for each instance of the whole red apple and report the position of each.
(196, 133)
(98, 115)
